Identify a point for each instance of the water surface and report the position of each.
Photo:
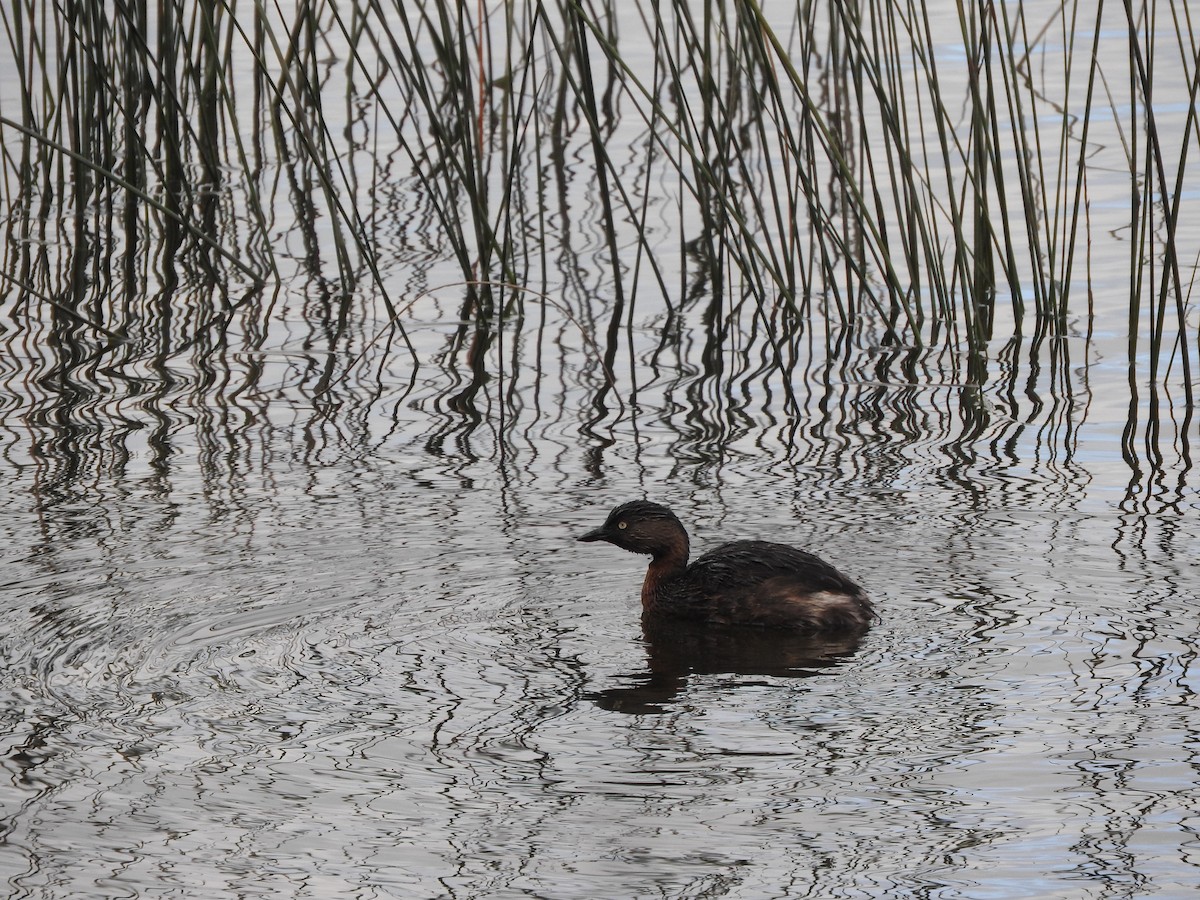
(360, 678)
(291, 604)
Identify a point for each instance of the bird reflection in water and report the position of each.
(677, 650)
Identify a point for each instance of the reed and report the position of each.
(912, 177)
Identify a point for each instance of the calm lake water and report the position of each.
(300, 613)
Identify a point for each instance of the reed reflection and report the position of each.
(711, 225)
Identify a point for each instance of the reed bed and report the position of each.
(904, 190)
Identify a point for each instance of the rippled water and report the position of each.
(301, 613)
(364, 678)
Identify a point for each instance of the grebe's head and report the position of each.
(642, 527)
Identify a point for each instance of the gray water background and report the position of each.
(253, 643)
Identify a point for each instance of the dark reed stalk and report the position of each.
(835, 182)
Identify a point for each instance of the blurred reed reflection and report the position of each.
(694, 241)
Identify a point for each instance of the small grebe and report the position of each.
(741, 583)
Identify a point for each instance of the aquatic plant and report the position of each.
(757, 200)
